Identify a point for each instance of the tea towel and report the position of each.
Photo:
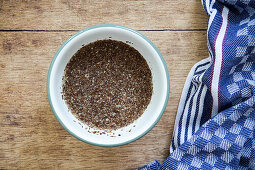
(215, 122)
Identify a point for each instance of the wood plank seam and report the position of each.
(79, 30)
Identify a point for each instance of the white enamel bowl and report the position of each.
(160, 80)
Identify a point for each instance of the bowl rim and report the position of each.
(102, 26)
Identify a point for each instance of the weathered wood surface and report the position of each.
(30, 136)
(78, 14)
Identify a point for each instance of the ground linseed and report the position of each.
(107, 84)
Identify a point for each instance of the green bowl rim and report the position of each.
(166, 73)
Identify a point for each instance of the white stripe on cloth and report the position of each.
(212, 15)
(200, 111)
(208, 6)
(185, 95)
(185, 116)
(193, 111)
(218, 61)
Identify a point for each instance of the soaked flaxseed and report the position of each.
(107, 84)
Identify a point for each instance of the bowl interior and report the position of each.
(154, 110)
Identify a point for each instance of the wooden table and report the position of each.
(30, 34)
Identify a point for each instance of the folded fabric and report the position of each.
(215, 122)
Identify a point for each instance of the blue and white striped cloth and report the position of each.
(215, 122)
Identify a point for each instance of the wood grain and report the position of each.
(79, 14)
(31, 137)
(31, 31)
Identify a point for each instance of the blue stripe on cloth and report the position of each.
(180, 124)
(199, 66)
(188, 116)
(192, 109)
(207, 107)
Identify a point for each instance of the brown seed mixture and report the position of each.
(107, 84)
